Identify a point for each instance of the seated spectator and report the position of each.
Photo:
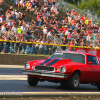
(1, 1)
(50, 36)
(40, 23)
(1, 19)
(61, 35)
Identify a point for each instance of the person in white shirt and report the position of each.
(45, 31)
(14, 29)
(3, 28)
(41, 47)
(1, 19)
(50, 36)
(67, 32)
(88, 38)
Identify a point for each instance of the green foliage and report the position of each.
(92, 5)
(74, 1)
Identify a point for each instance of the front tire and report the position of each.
(98, 85)
(32, 80)
(73, 82)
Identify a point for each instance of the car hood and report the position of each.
(55, 61)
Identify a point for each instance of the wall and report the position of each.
(12, 59)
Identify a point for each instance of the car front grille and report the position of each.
(44, 68)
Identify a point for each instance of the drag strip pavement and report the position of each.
(12, 72)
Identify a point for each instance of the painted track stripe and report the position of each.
(12, 66)
(13, 77)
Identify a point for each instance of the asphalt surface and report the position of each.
(13, 80)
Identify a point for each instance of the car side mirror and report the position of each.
(47, 58)
(90, 63)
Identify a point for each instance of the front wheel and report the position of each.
(32, 81)
(73, 82)
(98, 85)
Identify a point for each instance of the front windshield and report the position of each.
(73, 56)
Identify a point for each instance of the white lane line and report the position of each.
(12, 66)
(13, 77)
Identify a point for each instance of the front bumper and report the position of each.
(44, 73)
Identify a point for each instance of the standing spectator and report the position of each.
(19, 30)
(17, 44)
(71, 44)
(54, 47)
(45, 31)
(12, 46)
(63, 43)
(1, 44)
(37, 47)
(14, 29)
(33, 47)
(88, 38)
(41, 47)
(45, 48)
(36, 4)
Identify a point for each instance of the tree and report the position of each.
(92, 5)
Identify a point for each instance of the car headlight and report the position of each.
(63, 69)
(27, 65)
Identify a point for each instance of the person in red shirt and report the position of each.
(71, 44)
(62, 29)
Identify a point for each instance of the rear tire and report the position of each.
(32, 80)
(98, 85)
(73, 82)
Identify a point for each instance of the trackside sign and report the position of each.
(91, 51)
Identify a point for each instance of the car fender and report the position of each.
(76, 69)
(34, 62)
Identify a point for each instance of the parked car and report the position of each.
(69, 68)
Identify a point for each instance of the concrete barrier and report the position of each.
(49, 96)
(15, 59)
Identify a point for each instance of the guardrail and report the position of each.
(50, 95)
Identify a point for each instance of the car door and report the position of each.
(94, 66)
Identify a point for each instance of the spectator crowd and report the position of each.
(72, 28)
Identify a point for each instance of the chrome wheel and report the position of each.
(76, 81)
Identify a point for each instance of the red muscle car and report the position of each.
(69, 68)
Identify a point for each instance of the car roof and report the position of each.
(84, 53)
